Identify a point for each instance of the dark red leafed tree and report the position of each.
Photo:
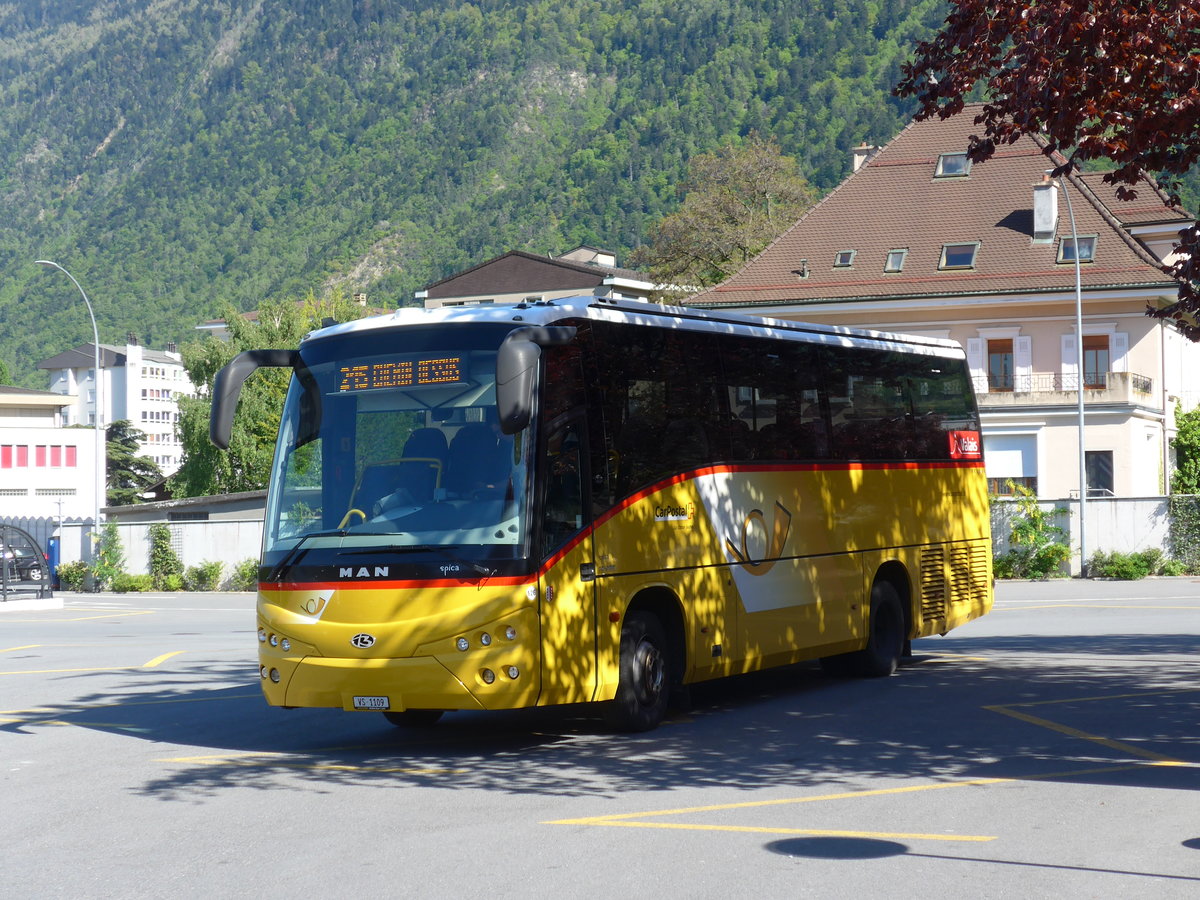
(1100, 79)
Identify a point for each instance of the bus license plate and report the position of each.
(372, 703)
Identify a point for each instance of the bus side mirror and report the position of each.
(227, 387)
(516, 371)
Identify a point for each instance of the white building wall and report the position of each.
(32, 485)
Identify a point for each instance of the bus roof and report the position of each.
(640, 312)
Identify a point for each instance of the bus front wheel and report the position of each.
(644, 687)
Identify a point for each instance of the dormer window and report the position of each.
(1087, 249)
(895, 260)
(953, 165)
(958, 256)
(843, 259)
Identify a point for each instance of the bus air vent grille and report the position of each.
(968, 573)
(933, 584)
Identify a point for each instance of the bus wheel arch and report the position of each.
(652, 661)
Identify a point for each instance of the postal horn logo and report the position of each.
(777, 533)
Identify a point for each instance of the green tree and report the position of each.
(1186, 444)
(736, 201)
(245, 466)
(5, 378)
(129, 474)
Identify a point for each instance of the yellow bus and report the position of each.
(596, 501)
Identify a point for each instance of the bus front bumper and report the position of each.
(390, 685)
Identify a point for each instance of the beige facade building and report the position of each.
(920, 240)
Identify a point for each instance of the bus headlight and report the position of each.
(485, 639)
(512, 672)
(488, 676)
(510, 633)
(462, 644)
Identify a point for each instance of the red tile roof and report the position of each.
(895, 202)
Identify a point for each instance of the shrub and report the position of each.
(1039, 548)
(71, 575)
(203, 577)
(110, 557)
(172, 583)
(1132, 566)
(163, 560)
(124, 583)
(245, 576)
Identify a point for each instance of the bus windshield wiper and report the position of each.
(294, 553)
(422, 548)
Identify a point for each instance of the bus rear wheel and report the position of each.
(644, 687)
(886, 636)
(414, 718)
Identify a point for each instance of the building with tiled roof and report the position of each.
(518, 275)
(919, 240)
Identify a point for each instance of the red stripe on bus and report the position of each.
(517, 580)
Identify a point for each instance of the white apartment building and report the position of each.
(46, 469)
(136, 383)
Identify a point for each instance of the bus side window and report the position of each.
(563, 510)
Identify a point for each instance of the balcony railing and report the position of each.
(1049, 387)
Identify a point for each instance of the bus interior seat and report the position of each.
(475, 461)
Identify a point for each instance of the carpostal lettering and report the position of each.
(675, 513)
(363, 572)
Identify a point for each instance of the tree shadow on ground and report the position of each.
(947, 715)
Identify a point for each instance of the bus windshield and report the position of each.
(389, 441)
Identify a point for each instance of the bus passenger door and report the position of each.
(567, 582)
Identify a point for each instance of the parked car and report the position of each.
(23, 562)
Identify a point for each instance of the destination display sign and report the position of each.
(401, 373)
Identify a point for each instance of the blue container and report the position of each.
(52, 557)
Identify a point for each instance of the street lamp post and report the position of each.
(101, 455)
(1079, 387)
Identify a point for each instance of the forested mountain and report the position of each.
(176, 153)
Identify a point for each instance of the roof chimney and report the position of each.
(861, 154)
(131, 338)
(1045, 210)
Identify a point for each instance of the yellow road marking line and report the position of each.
(23, 647)
(626, 819)
(1190, 690)
(1075, 732)
(158, 660)
(1087, 605)
(64, 671)
(820, 832)
(154, 663)
(83, 707)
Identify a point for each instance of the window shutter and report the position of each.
(1119, 348)
(976, 364)
(1023, 363)
(1069, 364)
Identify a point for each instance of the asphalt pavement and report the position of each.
(1051, 748)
